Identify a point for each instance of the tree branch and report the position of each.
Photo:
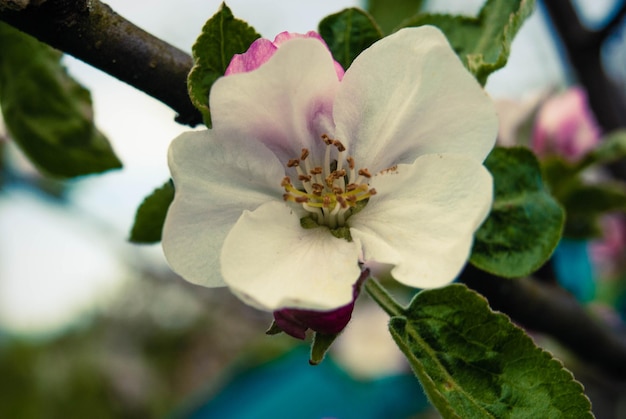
(549, 309)
(92, 32)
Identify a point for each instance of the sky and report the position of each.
(58, 263)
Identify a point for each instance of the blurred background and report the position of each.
(93, 326)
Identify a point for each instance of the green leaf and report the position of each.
(389, 15)
(483, 43)
(525, 223)
(151, 214)
(47, 113)
(222, 37)
(348, 33)
(474, 363)
(584, 204)
(321, 344)
(611, 148)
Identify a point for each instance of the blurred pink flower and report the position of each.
(565, 126)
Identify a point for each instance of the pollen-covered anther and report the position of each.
(317, 189)
(342, 201)
(285, 182)
(351, 187)
(338, 174)
(326, 201)
(301, 199)
(365, 173)
(337, 190)
(316, 170)
(304, 154)
(327, 139)
(339, 145)
(304, 178)
(350, 161)
(293, 163)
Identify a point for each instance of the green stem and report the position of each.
(383, 298)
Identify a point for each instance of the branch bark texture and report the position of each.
(92, 32)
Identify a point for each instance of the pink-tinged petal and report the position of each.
(409, 95)
(296, 322)
(286, 36)
(259, 52)
(424, 217)
(271, 262)
(216, 179)
(286, 104)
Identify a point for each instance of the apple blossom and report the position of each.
(308, 178)
(565, 126)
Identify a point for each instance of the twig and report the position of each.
(92, 32)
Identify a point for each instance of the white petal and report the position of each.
(215, 181)
(409, 95)
(423, 218)
(271, 262)
(286, 104)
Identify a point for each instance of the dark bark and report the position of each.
(92, 32)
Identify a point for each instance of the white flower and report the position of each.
(389, 159)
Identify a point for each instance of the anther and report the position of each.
(316, 170)
(340, 147)
(342, 202)
(327, 139)
(350, 161)
(337, 190)
(293, 163)
(317, 189)
(304, 154)
(286, 182)
(338, 174)
(304, 178)
(302, 199)
(365, 173)
(351, 187)
(372, 191)
(326, 201)
(329, 180)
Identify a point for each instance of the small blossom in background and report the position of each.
(565, 126)
(310, 175)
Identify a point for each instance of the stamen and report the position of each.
(365, 173)
(332, 190)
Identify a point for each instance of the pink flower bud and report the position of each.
(565, 126)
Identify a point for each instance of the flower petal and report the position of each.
(409, 95)
(271, 262)
(215, 181)
(259, 52)
(286, 104)
(423, 218)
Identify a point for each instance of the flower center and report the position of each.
(332, 190)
